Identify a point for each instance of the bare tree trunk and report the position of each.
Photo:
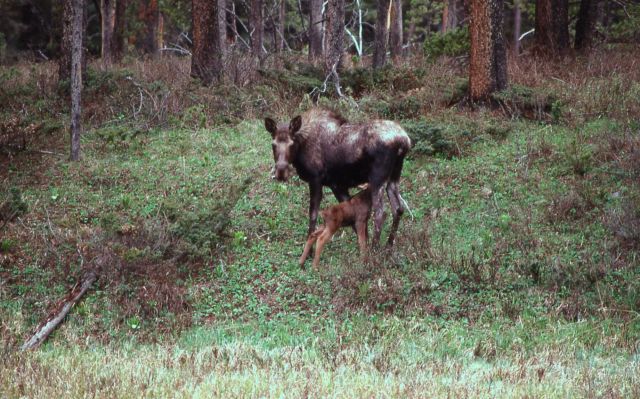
(76, 75)
(315, 30)
(517, 26)
(395, 33)
(488, 64)
(64, 62)
(382, 34)
(449, 16)
(149, 14)
(334, 41)
(586, 24)
(108, 11)
(279, 39)
(118, 38)
(453, 15)
(206, 61)
(222, 26)
(552, 26)
(257, 27)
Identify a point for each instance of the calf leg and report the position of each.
(307, 248)
(361, 229)
(322, 240)
(397, 208)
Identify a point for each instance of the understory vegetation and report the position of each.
(515, 272)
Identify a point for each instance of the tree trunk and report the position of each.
(120, 23)
(395, 33)
(315, 30)
(552, 26)
(108, 12)
(279, 39)
(77, 30)
(334, 41)
(64, 62)
(206, 61)
(382, 34)
(222, 27)
(449, 16)
(453, 15)
(517, 26)
(488, 64)
(586, 24)
(149, 15)
(257, 27)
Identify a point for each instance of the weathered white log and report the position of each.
(57, 315)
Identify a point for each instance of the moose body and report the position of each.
(326, 150)
(354, 212)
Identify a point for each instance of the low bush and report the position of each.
(453, 43)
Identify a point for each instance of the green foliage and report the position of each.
(427, 137)
(453, 43)
(306, 81)
(12, 205)
(626, 27)
(519, 100)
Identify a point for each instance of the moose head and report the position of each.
(284, 145)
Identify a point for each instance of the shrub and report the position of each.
(519, 100)
(453, 43)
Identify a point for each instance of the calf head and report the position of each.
(284, 145)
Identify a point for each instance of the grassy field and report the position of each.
(515, 275)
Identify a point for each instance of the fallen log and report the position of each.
(61, 309)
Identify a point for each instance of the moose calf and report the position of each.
(352, 212)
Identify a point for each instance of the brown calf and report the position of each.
(353, 212)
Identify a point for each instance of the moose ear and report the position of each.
(295, 125)
(271, 126)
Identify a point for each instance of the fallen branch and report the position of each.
(62, 308)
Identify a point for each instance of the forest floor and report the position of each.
(516, 274)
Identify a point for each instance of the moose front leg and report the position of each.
(315, 197)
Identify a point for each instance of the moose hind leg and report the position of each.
(377, 204)
(397, 208)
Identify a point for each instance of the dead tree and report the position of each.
(76, 75)
(206, 61)
(488, 63)
(382, 34)
(59, 312)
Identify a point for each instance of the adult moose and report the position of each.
(326, 150)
